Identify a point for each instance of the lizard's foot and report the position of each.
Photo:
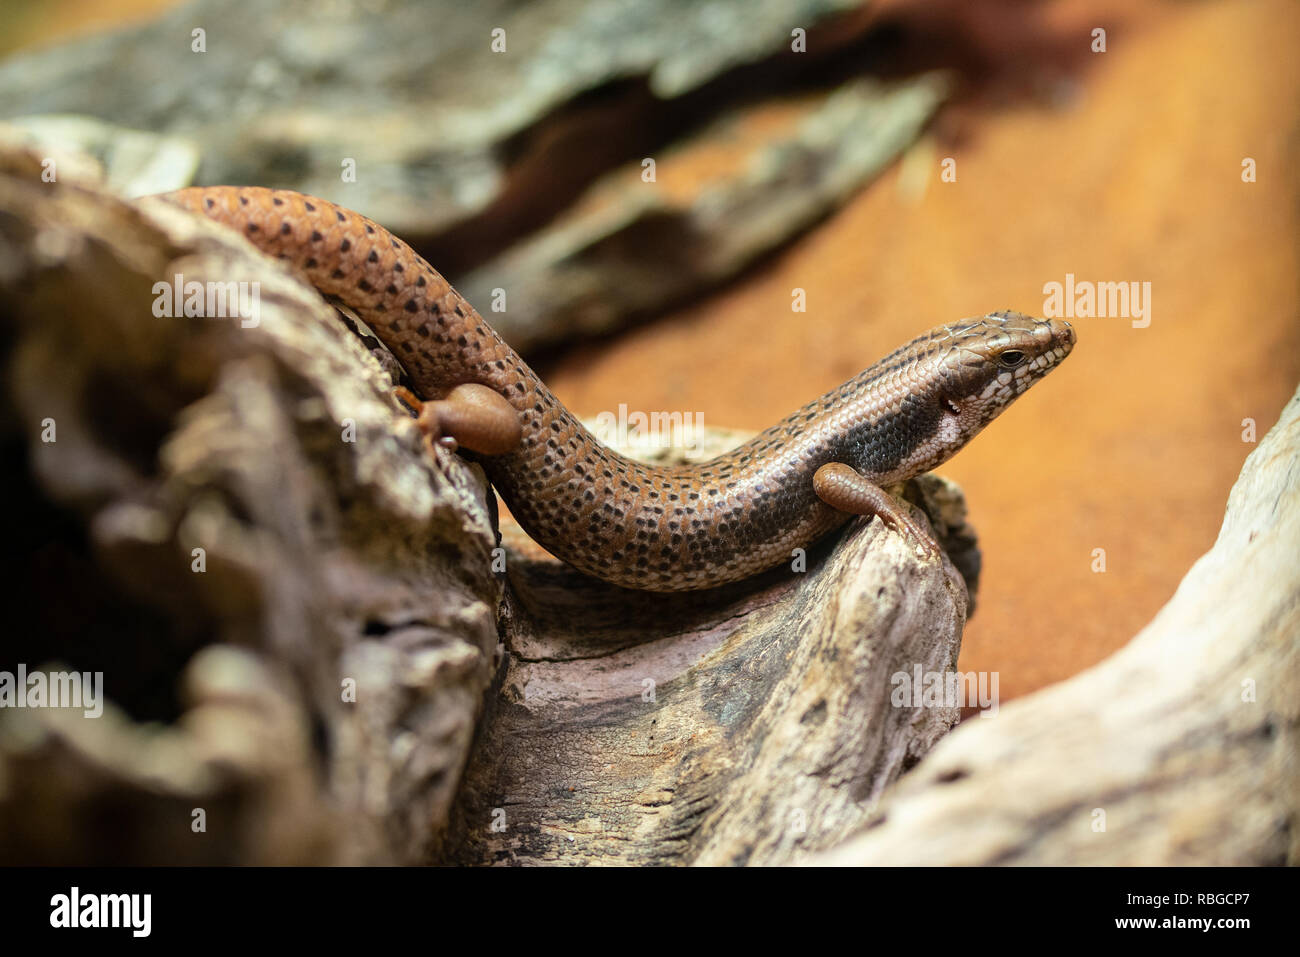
(471, 415)
(844, 488)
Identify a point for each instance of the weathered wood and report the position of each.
(1179, 749)
(448, 109)
(746, 725)
(631, 248)
(514, 162)
(319, 676)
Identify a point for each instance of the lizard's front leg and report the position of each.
(844, 488)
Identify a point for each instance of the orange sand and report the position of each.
(1132, 446)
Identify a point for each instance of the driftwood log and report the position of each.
(295, 607)
(1181, 748)
(289, 600)
(749, 724)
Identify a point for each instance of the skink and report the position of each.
(642, 526)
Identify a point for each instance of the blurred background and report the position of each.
(796, 145)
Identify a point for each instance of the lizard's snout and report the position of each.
(1063, 333)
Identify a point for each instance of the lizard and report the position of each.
(652, 527)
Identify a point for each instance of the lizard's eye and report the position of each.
(1011, 358)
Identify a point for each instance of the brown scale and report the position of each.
(640, 526)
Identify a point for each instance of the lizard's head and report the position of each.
(986, 363)
(944, 387)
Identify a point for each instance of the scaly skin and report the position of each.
(653, 527)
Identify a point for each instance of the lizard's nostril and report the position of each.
(1063, 330)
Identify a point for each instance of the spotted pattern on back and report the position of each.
(637, 525)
